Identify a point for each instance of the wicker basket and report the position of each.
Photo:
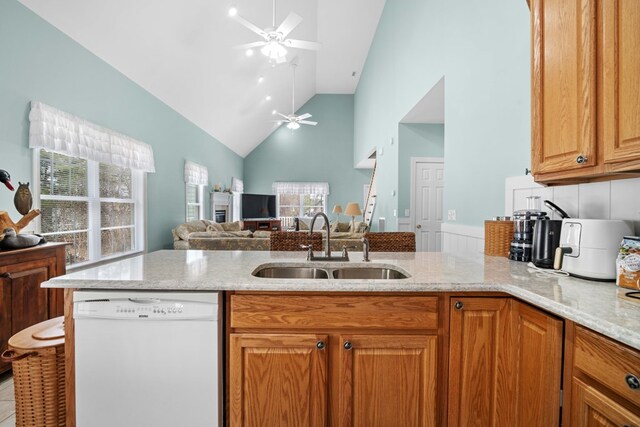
(497, 237)
(37, 357)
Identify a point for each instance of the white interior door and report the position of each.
(428, 189)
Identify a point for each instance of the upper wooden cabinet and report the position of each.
(585, 84)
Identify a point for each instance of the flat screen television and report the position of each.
(258, 206)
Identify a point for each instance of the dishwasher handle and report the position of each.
(145, 300)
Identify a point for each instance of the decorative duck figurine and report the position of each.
(5, 178)
(18, 241)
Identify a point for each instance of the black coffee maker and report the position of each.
(546, 237)
(521, 248)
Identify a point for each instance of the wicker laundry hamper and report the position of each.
(37, 357)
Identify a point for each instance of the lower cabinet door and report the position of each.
(591, 408)
(505, 360)
(387, 380)
(278, 380)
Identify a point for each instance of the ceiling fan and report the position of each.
(275, 43)
(293, 121)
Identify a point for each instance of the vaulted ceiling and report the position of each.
(183, 53)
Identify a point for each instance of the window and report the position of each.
(194, 202)
(300, 199)
(97, 207)
(300, 205)
(195, 177)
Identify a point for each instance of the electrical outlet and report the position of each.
(451, 215)
(406, 212)
(395, 212)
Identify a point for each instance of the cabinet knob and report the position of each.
(348, 345)
(581, 159)
(632, 381)
(320, 345)
(5, 275)
(458, 305)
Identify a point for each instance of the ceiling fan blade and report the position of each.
(307, 122)
(304, 116)
(282, 115)
(239, 19)
(250, 45)
(291, 21)
(302, 44)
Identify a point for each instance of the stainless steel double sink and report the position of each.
(341, 272)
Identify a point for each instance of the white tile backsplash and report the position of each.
(595, 200)
(625, 200)
(605, 200)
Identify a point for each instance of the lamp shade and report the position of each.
(337, 209)
(353, 209)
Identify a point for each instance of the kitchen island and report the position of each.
(437, 289)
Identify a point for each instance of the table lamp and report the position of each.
(353, 210)
(337, 209)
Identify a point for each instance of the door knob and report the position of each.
(418, 226)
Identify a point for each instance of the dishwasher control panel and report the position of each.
(144, 308)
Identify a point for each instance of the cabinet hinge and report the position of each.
(561, 397)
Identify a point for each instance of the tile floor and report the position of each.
(7, 401)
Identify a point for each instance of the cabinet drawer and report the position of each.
(608, 362)
(303, 312)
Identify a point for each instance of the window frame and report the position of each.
(199, 201)
(93, 199)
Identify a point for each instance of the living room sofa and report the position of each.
(208, 235)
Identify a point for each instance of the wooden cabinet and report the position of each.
(585, 81)
(278, 379)
(342, 360)
(603, 377)
(262, 224)
(387, 380)
(22, 301)
(498, 350)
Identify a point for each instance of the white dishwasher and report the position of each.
(147, 359)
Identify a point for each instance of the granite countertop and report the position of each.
(600, 306)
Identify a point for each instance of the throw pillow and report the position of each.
(261, 234)
(341, 227)
(303, 226)
(359, 227)
(214, 226)
(231, 226)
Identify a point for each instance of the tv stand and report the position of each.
(267, 224)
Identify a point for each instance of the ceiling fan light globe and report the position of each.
(293, 125)
(273, 50)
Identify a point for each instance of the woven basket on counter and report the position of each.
(37, 357)
(497, 237)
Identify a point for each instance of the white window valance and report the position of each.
(301, 188)
(237, 186)
(63, 133)
(195, 174)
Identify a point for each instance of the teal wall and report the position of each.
(38, 62)
(415, 140)
(312, 153)
(482, 50)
